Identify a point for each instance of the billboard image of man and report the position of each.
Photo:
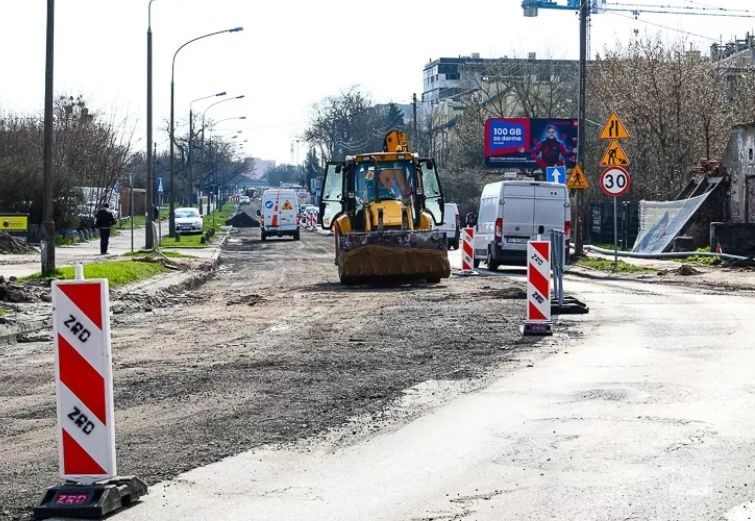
(549, 151)
(530, 143)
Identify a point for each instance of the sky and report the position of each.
(290, 55)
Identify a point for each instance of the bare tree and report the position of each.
(674, 103)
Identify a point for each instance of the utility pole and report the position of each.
(149, 239)
(584, 11)
(48, 220)
(414, 117)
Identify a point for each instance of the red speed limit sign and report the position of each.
(614, 181)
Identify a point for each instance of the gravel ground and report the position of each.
(272, 349)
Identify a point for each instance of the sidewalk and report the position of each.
(24, 319)
(671, 271)
(89, 252)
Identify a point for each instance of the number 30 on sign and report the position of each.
(614, 181)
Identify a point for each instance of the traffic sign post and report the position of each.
(577, 179)
(555, 174)
(614, 129)
(615, 182)
(614, 155)
(84, 390)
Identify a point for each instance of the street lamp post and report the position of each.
(148, 235)
(48, 221)
(212, 105)
(584, 13)
(213, 176)
(191, 138)
(172, 221)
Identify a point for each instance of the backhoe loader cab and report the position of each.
(381, 207)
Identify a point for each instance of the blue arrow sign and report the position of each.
(160, 185)
(555, 174)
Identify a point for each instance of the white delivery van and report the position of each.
(279, 214)
(514, 212)
(450, 225)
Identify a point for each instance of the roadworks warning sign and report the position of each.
(287, 205)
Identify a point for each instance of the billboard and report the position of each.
(530, 143)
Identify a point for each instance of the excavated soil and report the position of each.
(271, 349)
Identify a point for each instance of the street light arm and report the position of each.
(149, 16)
(173, 64)
(206, 97)
(212, 105)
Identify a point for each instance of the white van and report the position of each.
(450, 225)
(514, 212)
(279, 214)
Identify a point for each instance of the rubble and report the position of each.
(11, 245)
(13, 291)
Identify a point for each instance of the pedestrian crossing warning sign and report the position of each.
(287, 205)
(614, 129)
(614, 155)
(577, 179)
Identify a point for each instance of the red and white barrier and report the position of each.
(83, 380)
(84, 390)
(467, 249)
(312, 216)
(467, 252)
(538, 288)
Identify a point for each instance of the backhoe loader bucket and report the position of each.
(392, 255)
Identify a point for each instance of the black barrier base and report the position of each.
(570, 306)
(93, 501)
(538, 328)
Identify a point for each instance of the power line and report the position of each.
(629, 17)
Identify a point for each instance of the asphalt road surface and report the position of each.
(273, 393)
(270, 350)
(651, 415)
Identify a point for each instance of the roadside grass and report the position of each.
(609, 246)
(607, 265)
(211, 223)
(140, 220)
(117, 273)
(704, 260)
(3, 311)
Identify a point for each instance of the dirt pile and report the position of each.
(242, 220)
(11, 245)
(684, 270)
(13, 291)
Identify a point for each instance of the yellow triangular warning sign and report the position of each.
(614, 129)
(287, 205)
(614, 155)
(577, 179)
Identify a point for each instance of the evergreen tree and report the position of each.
(394, 118)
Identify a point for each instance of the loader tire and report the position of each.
(337, 243)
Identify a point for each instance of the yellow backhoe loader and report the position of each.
(381, 207)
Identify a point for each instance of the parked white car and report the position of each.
(188, 220)
(450, 225)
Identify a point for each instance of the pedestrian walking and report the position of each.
(104, 220)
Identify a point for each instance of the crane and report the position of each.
(531, 8)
